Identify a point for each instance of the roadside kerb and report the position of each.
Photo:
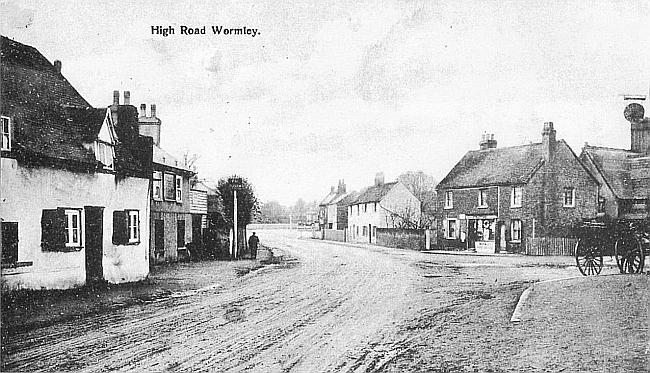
(517, 313)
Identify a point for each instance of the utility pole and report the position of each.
(234, 192)
(236, 184)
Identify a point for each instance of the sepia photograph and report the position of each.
(325, 186)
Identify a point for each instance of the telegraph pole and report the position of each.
(234, 192)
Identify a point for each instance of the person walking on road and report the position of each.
(253, 241)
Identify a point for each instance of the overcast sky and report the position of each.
(344, 89)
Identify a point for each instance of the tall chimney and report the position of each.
(153, 110)
(143, 110)
(57, 66)
(116, 97)
(639, 126)
(127, 98)
(548, 141)
(379, 179)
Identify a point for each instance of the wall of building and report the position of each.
(26, 192)
(171, 212)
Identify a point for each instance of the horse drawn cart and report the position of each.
(626, 239)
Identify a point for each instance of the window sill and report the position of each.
(483, 207)
(515, 206)
(448, 207)
(66, 249)
(569, 206)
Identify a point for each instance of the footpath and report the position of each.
(25, 310)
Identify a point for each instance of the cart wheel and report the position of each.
(589, 257)
(629, 255)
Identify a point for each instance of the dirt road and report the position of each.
(325, 307)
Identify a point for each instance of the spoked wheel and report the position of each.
(589, 257)
(629, 254)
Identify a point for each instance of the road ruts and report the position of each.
(336, 309)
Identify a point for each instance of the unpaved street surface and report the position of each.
(322, 307)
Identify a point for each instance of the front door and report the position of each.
(94, 244)
(159, 238)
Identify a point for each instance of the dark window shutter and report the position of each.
(120, 228)
(53, 230)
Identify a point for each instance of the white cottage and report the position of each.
(75, 181)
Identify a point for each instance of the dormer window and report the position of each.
(6, 133)
(104, 153)
(104, 144)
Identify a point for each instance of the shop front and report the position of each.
(482, 233)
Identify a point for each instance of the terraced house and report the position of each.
(494, 198)
(75, 181)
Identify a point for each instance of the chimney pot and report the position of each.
(143, 110)
(116, 97)
(57, 66)
(153, 110)
(548, 140)
(127, 98)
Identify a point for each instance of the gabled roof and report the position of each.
(374, 193)
(52, 123)
(627, 173)
(349, 199)
(497, 166)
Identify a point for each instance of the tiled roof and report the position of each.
(627, 173)
(375, 193)
(497, 166)
(52, 121)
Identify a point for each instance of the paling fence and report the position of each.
(550, 246)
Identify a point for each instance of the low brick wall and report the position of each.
(334, 235)
(412, 239)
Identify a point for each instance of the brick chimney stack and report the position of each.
(548, 141)
(487, 142)
(127, 98)
(639, 124)
(57, 66)
(379, 179)
(149, 125)
(116, 98)
(342, 187)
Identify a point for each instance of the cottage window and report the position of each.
(73, 228)
(61, 230)
(358, 210)
(134, 226)
(364, 231)
(482, 198)
(157, 185)
(104, 154)
(6, 133)
(374, 207)
(451, 229)
(569, 197)
(601, 205)
(516, 197)
(170, 187)
(515, 230)
(449, 199)
(179, 189)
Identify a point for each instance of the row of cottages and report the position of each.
(494, 198)
(383, 205)
(75, 181)
(624, 175)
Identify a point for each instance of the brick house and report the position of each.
(75, 181)
(494, 198)
(383, 205)
(171, 212)
(624, 175)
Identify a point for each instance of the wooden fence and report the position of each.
(550, 246)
